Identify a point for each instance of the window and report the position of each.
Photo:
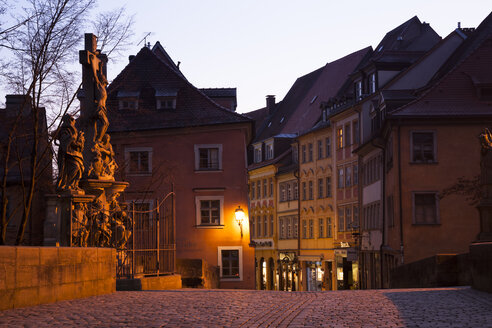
(271, 225)
(356, 132)
(329, 232)
(282, 228)
(231, 262)
(328, 186)
(265, 195)
(252, 226)
(257, 151)
(355, 221)
(389, 153)
(304, 229)
(258, 189)
(425, 207)
(303, 147)
(340, 137)
(310, 152)
(289, 191)
(265, 226)
(320, 188)
(310, 190)
(372, 83)
(348, 176)
(139, 160)
(289, 227)
(296, 191)
(282, 192)
(348, 134)
(358, 90)
(348, 218)
(258, 227)
(253, 185)
(327, 147)
(320, 149)
(311, 228)
(304, 191)
(269, 151)
(423, 147)
(296, 228)
(166, 103)
(208, 157)
(341, 220)
(270, 182)
(340, 178)
(209, 210)
(321, 228)
(128, 103)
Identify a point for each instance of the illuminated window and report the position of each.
(209, 211)
(208, 157)
(230, 263)
(340, 137)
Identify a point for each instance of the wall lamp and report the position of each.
(240, 217)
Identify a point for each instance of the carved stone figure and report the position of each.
(100, 118)
(121, 233)
(81, 225)
(70, 159)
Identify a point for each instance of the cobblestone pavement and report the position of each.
(441, 307)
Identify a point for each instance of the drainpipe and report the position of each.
(298, 176)
(383, 206)
(400, 192)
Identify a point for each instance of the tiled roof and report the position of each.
(219, 92)
(300, 108)
(150, 72)
(455, 93)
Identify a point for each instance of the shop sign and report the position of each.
(262, 243)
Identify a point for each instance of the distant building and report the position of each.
(165, 131)
(17, 118)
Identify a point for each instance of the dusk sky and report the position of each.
(261, 47)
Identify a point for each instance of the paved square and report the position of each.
(440, 307)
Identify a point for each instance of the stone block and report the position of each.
(27, 256)
(7, 275)
(481, 266)
(47, 294)
(6, 299)
(7, 255)
(26, 297)
(26, 276)
(70, 255)
(67, 273)
(49, 275)
(48, 256)
(89, 255)
(66, 291)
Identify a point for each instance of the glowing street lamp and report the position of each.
(240, 217)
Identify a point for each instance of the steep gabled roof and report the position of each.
(455, 93)
(151, 73)
(300, 108)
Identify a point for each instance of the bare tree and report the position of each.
(44, 45)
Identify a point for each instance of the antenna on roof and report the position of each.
(145, 39)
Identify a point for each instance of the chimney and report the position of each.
(15, 102)
(459, 24)
(270, 104)
(131, 57)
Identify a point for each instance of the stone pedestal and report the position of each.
(63, 209)
(59, 217)
(485, 209)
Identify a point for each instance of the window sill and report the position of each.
(209, 171)
(231, 279)
(210, 226)
(141, 174)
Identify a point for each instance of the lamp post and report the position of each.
(240, 216)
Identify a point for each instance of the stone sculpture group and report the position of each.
(86, 157)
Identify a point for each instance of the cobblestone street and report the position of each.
(442, 307)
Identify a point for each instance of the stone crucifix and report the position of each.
(98, 155)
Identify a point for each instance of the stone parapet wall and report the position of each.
(36, 275)
(481, 265)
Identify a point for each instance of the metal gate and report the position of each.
(151, 249)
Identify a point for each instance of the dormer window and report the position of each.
(257, 153)
(372, 83)
(128, 99)
(269, 150)
(166, 98)
(358, 90)
(166, 103)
